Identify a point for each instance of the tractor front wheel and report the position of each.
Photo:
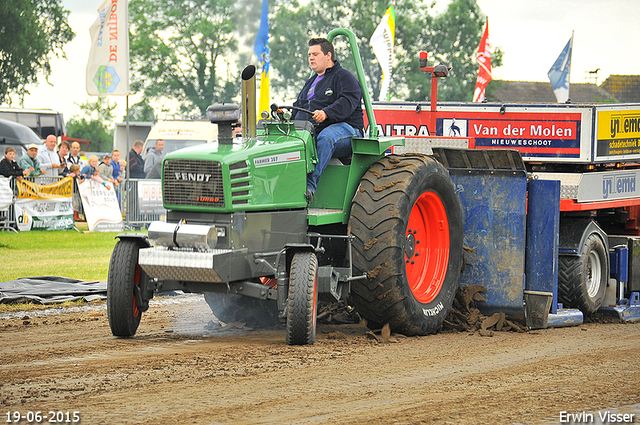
(124, 275)
(407, 221)
(303, 299)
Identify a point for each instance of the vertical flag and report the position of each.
(484, 70)
(108, 64)
(559, 73)
(382, 41)
(261, 48)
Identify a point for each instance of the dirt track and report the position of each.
(182, 368)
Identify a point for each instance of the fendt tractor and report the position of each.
(383, 230)
(386, 228)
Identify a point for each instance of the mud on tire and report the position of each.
(407, 221)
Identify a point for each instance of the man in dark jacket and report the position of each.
(136, 163)
(9, 167)
(334, 96)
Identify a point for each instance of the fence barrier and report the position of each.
(140, 202)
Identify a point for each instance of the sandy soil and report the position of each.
(182, 367)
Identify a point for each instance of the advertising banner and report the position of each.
(150, 197)
(618, 133)
(44, 207)
(108, 64)
(101, 208)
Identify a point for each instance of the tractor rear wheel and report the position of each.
(407, 221)
(303, 299)
(124, 274)
(582, 280)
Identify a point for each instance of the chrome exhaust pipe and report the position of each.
(249, 110)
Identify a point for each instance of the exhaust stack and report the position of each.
(249, 111)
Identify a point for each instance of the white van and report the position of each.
(180, 134)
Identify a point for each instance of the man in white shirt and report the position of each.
(48, 157)
(74, 155)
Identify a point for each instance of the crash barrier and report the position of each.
(140, 201)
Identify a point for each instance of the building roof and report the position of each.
(537, 92)
(625, 88)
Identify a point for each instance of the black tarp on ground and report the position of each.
(50, 289)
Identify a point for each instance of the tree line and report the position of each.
(192, 52)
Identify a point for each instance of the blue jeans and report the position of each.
(333, 141)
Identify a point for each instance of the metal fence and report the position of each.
(140, 202)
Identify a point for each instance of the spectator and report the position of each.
(63, 150)
(123, 168)
(74, 155)
(48, 157)
(106, 170)
(30, 162)
(90, 171)
(153, 156)
(136, 163)
(115, 164)
(74, 170)
(9, 167)
(156, 171)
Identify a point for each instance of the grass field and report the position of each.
(78, 255)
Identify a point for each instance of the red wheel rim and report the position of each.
(136, 281)
(426, 251)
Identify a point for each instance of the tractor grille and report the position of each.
(193, 183)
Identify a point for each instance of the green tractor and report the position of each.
(383, 232)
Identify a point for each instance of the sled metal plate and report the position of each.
(161, 263)
(543, 227)
(494, 207)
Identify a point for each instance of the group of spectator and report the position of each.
(150, 166)
(68, 160)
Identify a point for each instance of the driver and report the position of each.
(335, 97)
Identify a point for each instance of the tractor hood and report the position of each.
(267, 172)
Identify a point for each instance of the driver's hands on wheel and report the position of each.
(319, 115)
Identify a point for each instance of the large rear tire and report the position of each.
(582, 280)
(124, 274)
(302, 303)
(407, 221)
(230, 308)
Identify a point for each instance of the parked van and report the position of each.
(180, 134)
(18, 136)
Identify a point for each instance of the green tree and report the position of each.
(32, 32)
(177, 47)
(451, 38)
(93, 125)
(141, 111)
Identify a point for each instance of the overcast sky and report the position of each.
(531, 34)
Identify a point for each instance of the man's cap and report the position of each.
(32, 146)
(106, 155)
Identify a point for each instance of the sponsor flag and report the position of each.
(261, 48)
(484, 69)
(108, 64)
(559, 73)
(382, 41)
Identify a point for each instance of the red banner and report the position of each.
(484, 70)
